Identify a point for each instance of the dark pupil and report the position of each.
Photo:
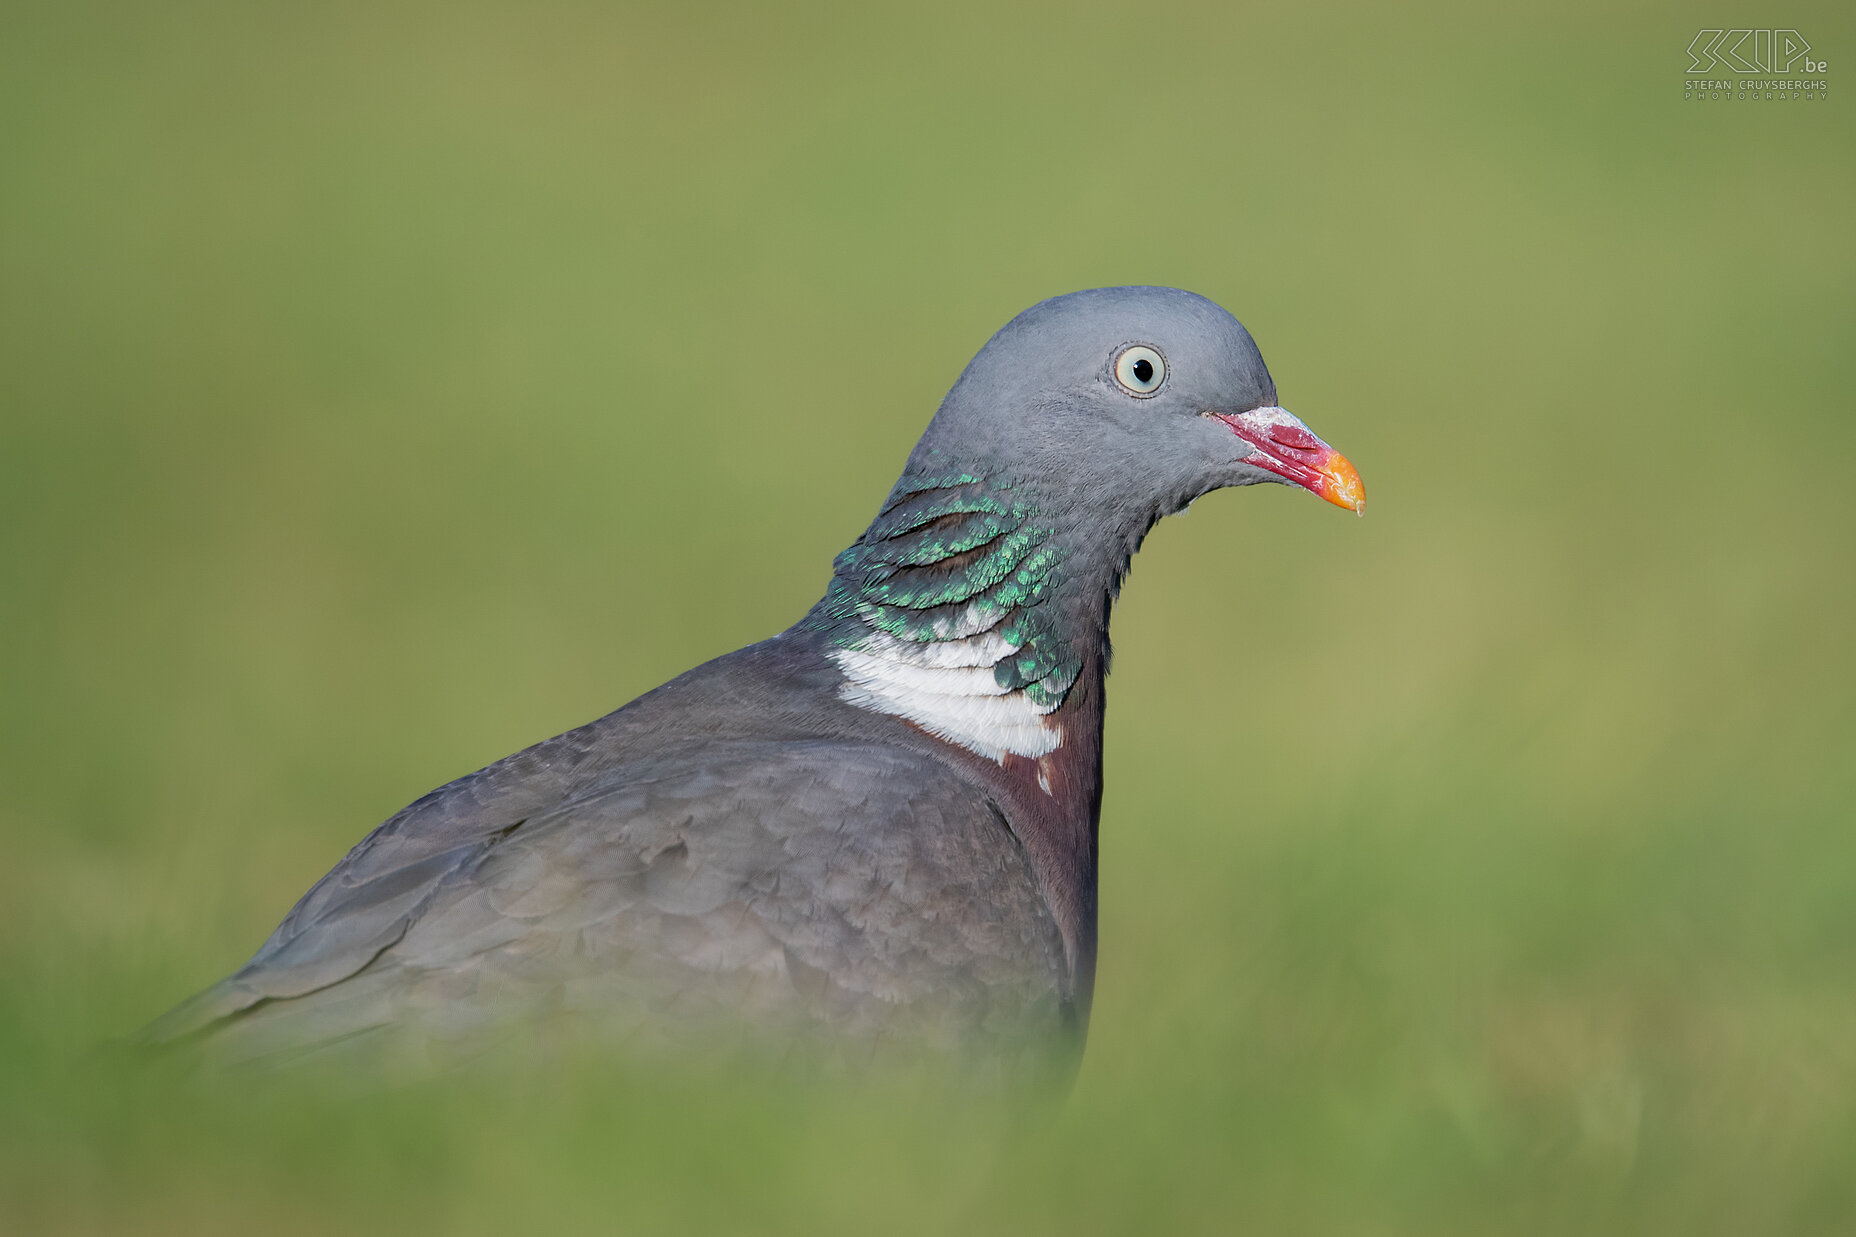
(1144, 370)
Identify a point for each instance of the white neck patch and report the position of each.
(947, 688)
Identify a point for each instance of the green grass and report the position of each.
(383, 388)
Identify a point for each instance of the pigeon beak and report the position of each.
(1283, 445)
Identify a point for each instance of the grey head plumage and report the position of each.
(1044, 397)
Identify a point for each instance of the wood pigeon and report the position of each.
(878, 826)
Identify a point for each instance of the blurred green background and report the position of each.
(386, 387)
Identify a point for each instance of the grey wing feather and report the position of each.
(856, 889)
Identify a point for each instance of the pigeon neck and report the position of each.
(969, 608)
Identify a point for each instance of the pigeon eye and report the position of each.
(1140, 369)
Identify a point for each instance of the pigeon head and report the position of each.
(981, 592)
(1128, 403)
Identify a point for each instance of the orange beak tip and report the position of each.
(1341, 484)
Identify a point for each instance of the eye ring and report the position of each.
(1140, 369)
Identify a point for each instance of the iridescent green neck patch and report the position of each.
(949, 558)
